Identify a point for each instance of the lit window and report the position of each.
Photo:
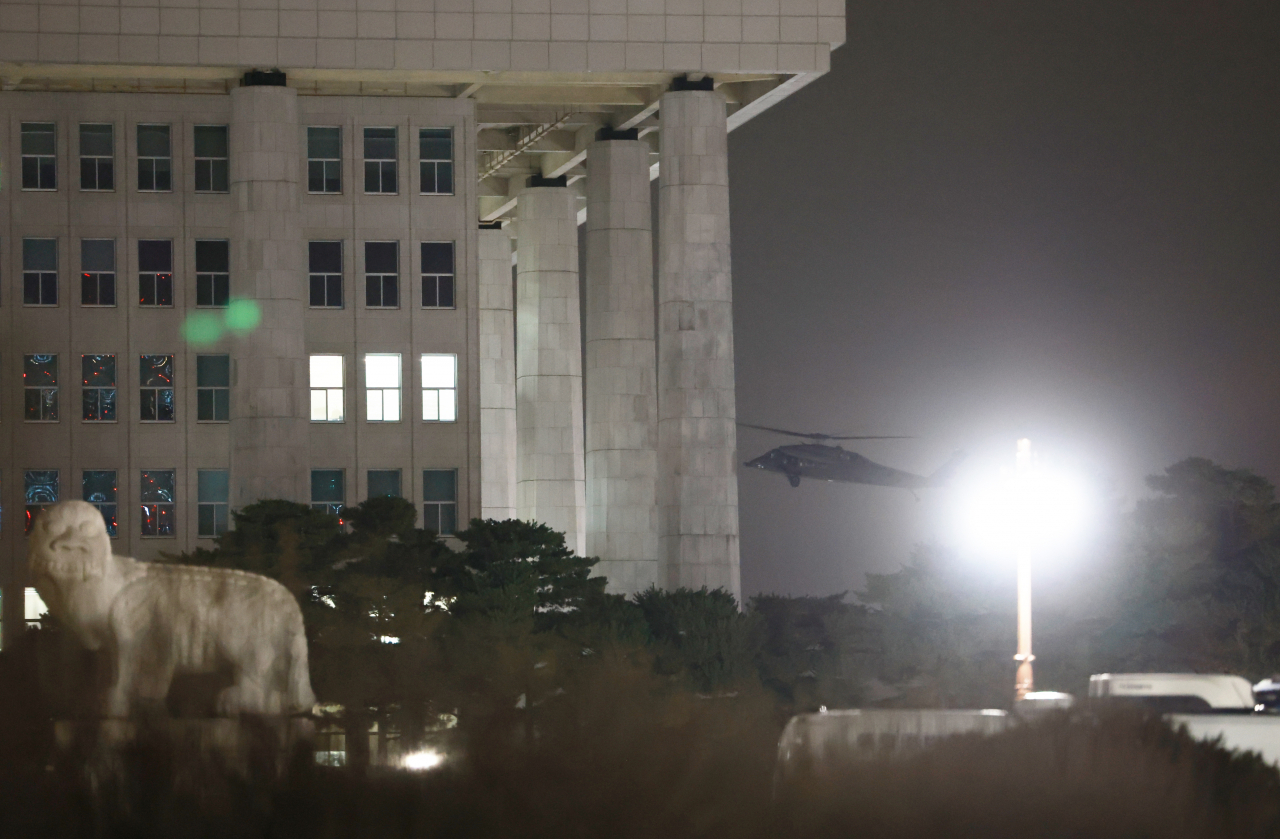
(155, 373)
(213, 388)
(439, 387)
(324, 263)
(98, 394)
(212, 508)
(97, 272)
(437, 275)
(155, 272)
(39, 147)
(157, 502)
(326, 388)
(33, 607)
(328, 490)
(380, 160)
(97, 157)
(100, 490)
(40, 489)
(155, 159)
(324, 159)
(382, 387)
(40, 388)
(40, 272)
(213, 280)
(383, 482)
(440, 500)
(382, 274)
(211, 158)
(435, 161)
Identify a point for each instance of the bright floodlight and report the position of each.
(423, 760)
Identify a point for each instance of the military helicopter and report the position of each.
(832, 463)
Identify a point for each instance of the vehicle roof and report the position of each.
(1219, 690)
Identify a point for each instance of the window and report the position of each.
(440, 500)
(97, 157)
(155, 373)
(98, 395)
(155, 272)
(439, 387)
(435, 161)
(328, 490)
(212, 510)
(326, 388)
(213, 388)
(324, 159)
(213, 282)
(40, 272)
(33, 607)
(40, 386)
(325, 268)
(40, 489)
(382, 387)
(211, 158)
(97, 272)
(39, 145)
(384, 482)
(155, 159)
(382, 274)
(100, 490)
(157, 502)
(437, 275)
(380, 160)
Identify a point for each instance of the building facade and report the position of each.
(264, 249)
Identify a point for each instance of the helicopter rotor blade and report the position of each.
(820, 436)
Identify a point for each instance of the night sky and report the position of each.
(993, 219)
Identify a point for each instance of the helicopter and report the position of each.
(824, 462)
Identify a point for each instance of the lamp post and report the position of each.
(1024, 681)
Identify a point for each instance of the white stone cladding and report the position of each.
(497, 378)
(697, 438)
(620, 374)
(549, 486)
(269, 404)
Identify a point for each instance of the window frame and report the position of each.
(435, 163)
(436, 277)
(440, 505)
(113, 524)
(329, 506)
(219, 509)
(213, 391)
(213, 187)
(384, 391)
(325, 277)
(170, 506)
(99, 390)
(325, 162)
(39, 505)
(98, 159)
(211, 278)
(41, 159)
(97, 277)
(383, 163)
(399, 473)
(41, 390)
(144, 389)
(44, 280)
(155, 278)
(152, 160)
(326, 390)
(383, 280)
(434, 393)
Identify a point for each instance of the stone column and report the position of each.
(621, 387)
(269, 408)
(697, 439)
(497, 378)
(549, 476)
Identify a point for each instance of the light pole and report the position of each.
(1024, 681)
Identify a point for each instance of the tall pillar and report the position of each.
(549, 477)
(269, 455)
(497, 378)
(621, 387)
(697, 439)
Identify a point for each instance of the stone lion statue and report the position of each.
(156, 620)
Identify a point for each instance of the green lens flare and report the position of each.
(243, 316)
(201, 328)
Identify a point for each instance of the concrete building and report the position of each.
(263, 248)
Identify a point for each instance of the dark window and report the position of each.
(325, 274)
(213, 388)
(211, 158)
(40, 388)
(213, 282)
(440, 500)
(98, 388)
(437, 275)
(40, 272)
(100, 490)
(328, 490)
(39, 147)
(382, 274)
(380, 160)
(157, 502)
(324, 159)
(155, 374)
(40, 489)
(384, 482)
(97, 157)
(435, 161)
(155, 272)
(97, 272)
(212, 508)
(155, 159)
